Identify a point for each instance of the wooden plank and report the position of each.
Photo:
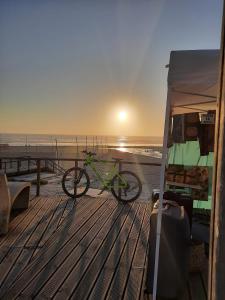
(11, 238)
(18, 216)
(22, 257)
(33, 224)
(71, 203)
(34, 205)
(53, 284)
(20, 264)
(142, 294)
(118, 284)
(43, 223)
(57, 219)
(79, 252)
(81, 280)
(136, 281)
(27, 248)
(12, 256)
(69, 206)
(70, 245)
(82, 212)
(26, 254)
(61, 238)
(15, 236)
(143, 253)
(53, 224)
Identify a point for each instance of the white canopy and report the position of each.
(192, 86)
(193, 80)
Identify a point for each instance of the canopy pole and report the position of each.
(216, 287)
(162, 183)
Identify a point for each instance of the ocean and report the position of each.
(66, 140)
(143, 145)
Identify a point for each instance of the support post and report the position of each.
(38, 177)
(162, 183)
(216, 282)
(119, 169)
(75, 178)
(18, 166)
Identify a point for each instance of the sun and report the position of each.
(122, 116)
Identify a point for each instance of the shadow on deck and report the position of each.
(85, 249)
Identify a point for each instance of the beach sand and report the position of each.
(148, 174)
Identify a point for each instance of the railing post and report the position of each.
(0, 163)
(38, 177)
(120, 166)
(28, 164)
(75, 175)
(18, 166)
(5, 166)
(120, 169)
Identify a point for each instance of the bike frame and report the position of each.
(105, 181)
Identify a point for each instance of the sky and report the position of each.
(73, 66)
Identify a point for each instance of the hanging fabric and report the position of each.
(178, 129)
(206, 136)
(191, 126)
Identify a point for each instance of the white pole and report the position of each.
(162, 180)
(216, 274)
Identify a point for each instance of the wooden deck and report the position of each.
(88, 249)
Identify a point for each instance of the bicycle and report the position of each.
(124, 185)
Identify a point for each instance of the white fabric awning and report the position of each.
(193, 80)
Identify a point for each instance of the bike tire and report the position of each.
(67, 176)
(118, 195)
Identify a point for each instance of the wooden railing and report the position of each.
(7, 163)
(14, 166)
(76, 161)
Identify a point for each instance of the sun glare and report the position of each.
(122, 116)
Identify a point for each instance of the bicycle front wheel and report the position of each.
(126, 186)
(75, 182)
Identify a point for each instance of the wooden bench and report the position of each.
(13, 195)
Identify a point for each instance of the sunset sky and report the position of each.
(95, 66)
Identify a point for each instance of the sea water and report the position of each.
(142, 145)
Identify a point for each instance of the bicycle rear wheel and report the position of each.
(126, 186)
(75, 182)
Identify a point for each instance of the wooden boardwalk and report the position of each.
(88, 249)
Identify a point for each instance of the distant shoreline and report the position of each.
(78, 140)
(151, 152)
